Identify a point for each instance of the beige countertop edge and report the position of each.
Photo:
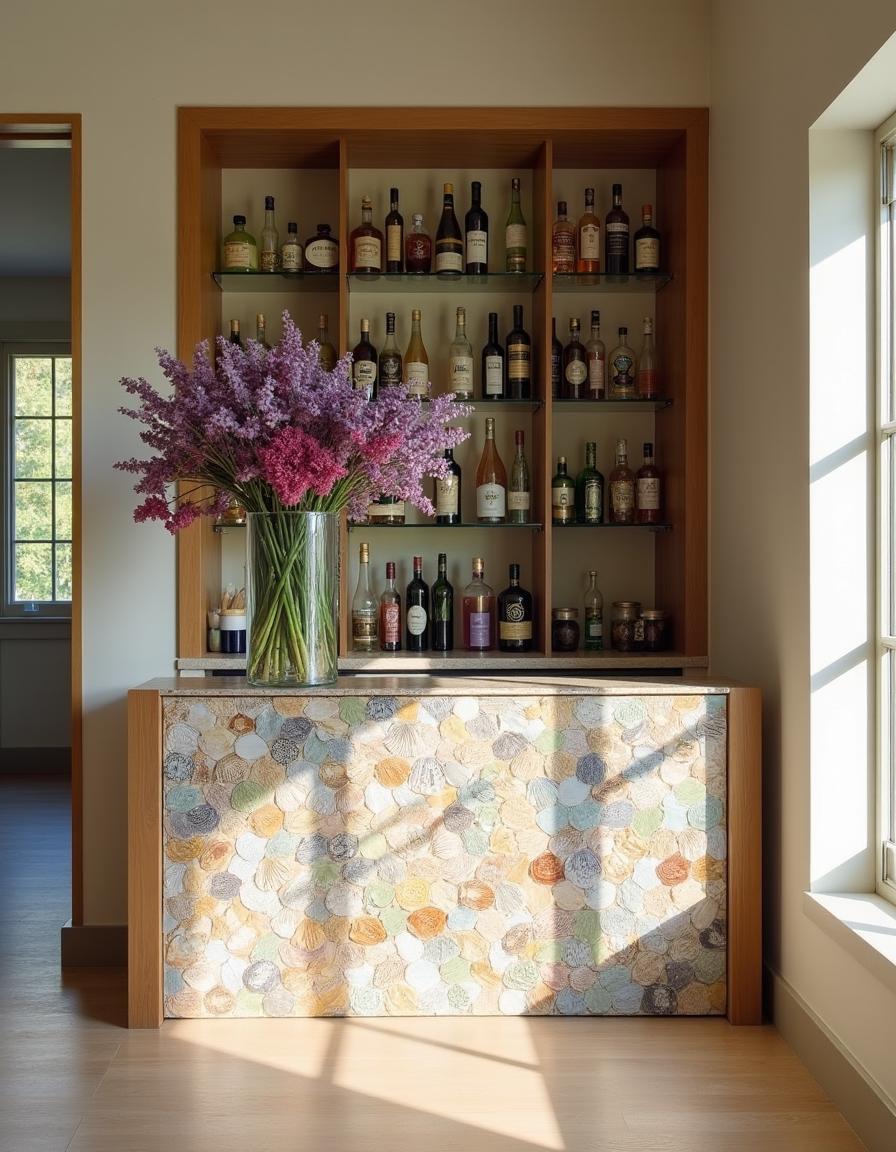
(402, 662)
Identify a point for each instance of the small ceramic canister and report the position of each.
(233, 630)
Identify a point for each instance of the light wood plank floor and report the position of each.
(71, 1077)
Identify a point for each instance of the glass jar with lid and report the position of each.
(654, 624)
(626, 625)
(565, 629)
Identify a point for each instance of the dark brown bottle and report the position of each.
(648, 490)
(518, 359)
(616, 232)
(575, 364)
(515, 616)
(416, 617)
(394, 235)
(390, 613)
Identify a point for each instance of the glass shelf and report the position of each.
(228, 527)
(532, 526)
(498, 405)
(604, 282)
(277, 281)
(654, 404)
(431, 282)
(616, 527)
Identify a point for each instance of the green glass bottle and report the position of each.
(442, 613)
(563, 495)
(590, 489)
(240, 248)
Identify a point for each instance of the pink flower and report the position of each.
(294, 463)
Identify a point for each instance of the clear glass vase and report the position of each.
(292, 584)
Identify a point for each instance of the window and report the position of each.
(37, 451)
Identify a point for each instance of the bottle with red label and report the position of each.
(479, 611)
(390, 613)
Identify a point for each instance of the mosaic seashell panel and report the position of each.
(368, 856)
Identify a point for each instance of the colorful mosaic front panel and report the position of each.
(444, 855)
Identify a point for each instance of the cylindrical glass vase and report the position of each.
(292, 584)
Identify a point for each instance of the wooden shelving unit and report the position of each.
(318, 162)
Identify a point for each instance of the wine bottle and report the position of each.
(235, 337)
(648, 375)
(390, 357)
(394, 235)
(563, 495)
(647, 244)
(390, 613)
(563, 243)
(594, 615)
(322, 251)
(515, 616)
(448, 492)
(416, 361)
(617, 236)
(476, 228)
(365, 609)
(516, 243)
(556, 361)
(648, 490)
(460, 360)
(441, 616)
(492, 363)
(519, 359)
(623, 369)
(270, 239)
(240, 248)
(622, 488)
(589, 237)
(597, 361)
(478, 609)
(449, 242)
(366, 243)
(326, 352)
(519, 491)
(417, 610)
(364, 364)
(590, 489)
(292, 254)
(491, 481)
(575, 364)
(417, 247)
(261, 333)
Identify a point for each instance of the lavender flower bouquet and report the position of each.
(275, 431)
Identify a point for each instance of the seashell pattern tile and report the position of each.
(378, 856)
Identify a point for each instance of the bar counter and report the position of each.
(417, 845)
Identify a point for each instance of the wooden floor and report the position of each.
(71, 1077)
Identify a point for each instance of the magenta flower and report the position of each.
(295, 462)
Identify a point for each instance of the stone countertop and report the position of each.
(427, 685)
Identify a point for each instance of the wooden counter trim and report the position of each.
(745, 856)
(145, 977)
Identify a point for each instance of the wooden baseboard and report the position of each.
(36, 761)
(94, 945)
(861, 1100)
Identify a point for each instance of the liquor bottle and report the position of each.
(476, 228)
(364, 364)
(623, 369)
(563, 243)
(616, 232)
(366, 243)
(516, 243)
(492, 363)
(292, 254)
(449, 241)
(322, 251)
(416, 617)
(261, 336)
(594, 615)
(575, 364)
(563, 495)
(390, 613)
(518, 359)
(386, 510)
(515, 616)
(365, 609)
(240, 249)
(326, 352)
(589, 237)
(519, 492)
(491, 480)
(441, 615)
(270, 239)
(597, 361)
(590, 489)
(235, 337)
(478, 611)
(648, 375)
(460, 360)
(390, 357)
(416, 361)
(647, 243)
(394, 235)
(648, 490)
(622, 488)
(556, 361)
(417, 247)
(448, 492)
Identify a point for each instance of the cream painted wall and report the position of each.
(125, 68)
(775, 68)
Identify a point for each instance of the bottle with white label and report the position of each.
(492, 363)
(622, 488)
(390, 357)
(448, 492)
(478, 609)
(292, 254)
(589, 237)
(416, 361)
(516, 237)
(594, 615)
(597, 361)
(648, 490)
(575, 364)
(623, 369)
(416, 617)
(563, 495)
(365, 607)
(476, 228)
(616, 235)
(394, 235)
(364, 362)
(366, 243)
(270, 239)
(449, 242)
(647, 244)
(322, 251)
(519, 492)
(491, 481)
(240, 249)
(460, 360)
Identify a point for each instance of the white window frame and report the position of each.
(10, 608)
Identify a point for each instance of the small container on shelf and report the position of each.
(565, 629)
(653, 622)
(233, 630)
(627, 627)
(234, 515)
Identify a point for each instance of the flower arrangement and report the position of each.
(278, 433)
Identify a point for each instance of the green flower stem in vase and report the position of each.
(292, 566)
